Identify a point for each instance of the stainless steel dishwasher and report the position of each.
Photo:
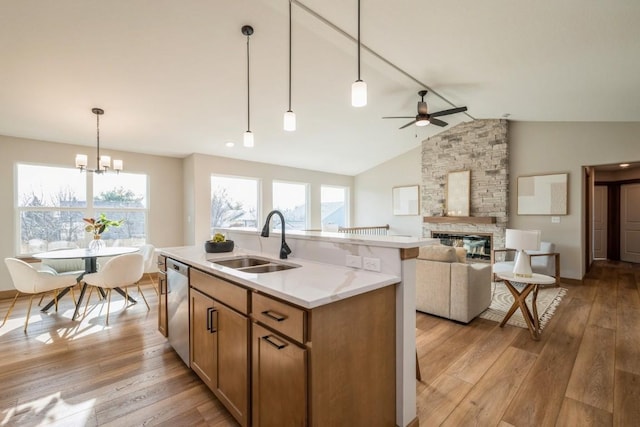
(178, 308)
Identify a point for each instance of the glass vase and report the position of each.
(96, 244)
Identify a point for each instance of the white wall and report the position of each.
(373, 189)
(164, 179)
(534, 148)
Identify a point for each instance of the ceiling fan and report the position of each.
(424, 118)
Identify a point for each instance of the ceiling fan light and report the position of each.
(290, 121)
(247, 140)
(359, 94)
(422, 122)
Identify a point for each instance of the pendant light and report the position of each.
(103, 163)
(359, 88)
(289, 115)
(247, 30)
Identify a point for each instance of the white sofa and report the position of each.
(448, 286)
(543, 261)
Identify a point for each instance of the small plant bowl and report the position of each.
(217, 247)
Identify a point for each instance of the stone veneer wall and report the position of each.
(480, 146)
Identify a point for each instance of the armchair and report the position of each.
(544, 261)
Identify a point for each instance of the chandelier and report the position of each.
(103, 162)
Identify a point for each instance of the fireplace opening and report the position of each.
(478, 246)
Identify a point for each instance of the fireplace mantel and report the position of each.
(460, 219)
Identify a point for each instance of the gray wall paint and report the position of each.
(373, 189)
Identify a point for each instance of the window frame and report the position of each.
(258, 182)
(88, 211)
(307, 197)
(347, 204)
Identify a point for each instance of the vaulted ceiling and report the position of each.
(171, 75)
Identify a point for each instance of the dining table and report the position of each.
(90, 257)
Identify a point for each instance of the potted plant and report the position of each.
(97, 227)
(218, 243)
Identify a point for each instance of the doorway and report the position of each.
(612, 210)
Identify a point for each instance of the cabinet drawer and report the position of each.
(227, 293)
(282, 317)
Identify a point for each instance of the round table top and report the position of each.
(85, 253)
(536, 279)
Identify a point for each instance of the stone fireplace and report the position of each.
(480, 146)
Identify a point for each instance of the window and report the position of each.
(334, 206)
(51, 202)
(234, 202)
(291, 199)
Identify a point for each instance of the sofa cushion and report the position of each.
(440, 253)
(461, 254)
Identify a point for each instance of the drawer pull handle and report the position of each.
(274, 315)
(210, 326)
(268, 339)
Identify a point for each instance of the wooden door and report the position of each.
(630, 223)
(203, 338)
(279, 380)
(233, 361)
(600, 222)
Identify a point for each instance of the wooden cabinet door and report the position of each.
(279, 380)
(162, 303)
(203, 338)
(233, 361)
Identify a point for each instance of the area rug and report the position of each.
(548, 300)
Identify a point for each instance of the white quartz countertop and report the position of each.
(310, 285)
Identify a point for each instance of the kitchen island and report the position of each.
(349, 334)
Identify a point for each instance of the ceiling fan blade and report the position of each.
(437, 122)
(399, 117)
(408, 124)
(451, 111)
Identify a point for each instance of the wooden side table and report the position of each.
(531, 284)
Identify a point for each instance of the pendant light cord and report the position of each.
(248, 91)
(98, 139)
(358, 40)
(289, 55)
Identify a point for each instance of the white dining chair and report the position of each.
(121, 272)
(28, 280)
(148, 252)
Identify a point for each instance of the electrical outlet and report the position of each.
(555, 219)
(372, 264)
(354, 261)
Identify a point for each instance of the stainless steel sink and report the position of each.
(241, 262)
(267, 268)
(252, 264)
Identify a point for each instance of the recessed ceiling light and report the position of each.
(624, 165)
(229, 144)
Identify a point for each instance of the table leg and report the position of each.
(53, 301)
(521, 303)
(121, 292)
(82, 291)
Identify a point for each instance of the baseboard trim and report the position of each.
(571, 281)
(414, 422)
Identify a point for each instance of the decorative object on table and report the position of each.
(458, 193)
(97, 227)
(522, 240)
(218, 243)
(547, 302)
(543, 194)
(406, 200)
(103, 163)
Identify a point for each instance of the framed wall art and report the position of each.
(406, 200)
(458, 193)
(543, 194)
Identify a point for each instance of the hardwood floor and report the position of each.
(585, 370)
